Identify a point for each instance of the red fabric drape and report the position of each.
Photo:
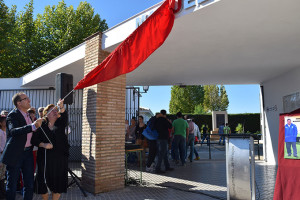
(288, 173)
(135, 49)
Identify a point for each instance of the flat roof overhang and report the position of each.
(218, 42)
(228, 42)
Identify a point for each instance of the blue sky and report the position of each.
(242, 98)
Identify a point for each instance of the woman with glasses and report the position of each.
(53, 152)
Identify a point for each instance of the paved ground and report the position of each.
(203, 179)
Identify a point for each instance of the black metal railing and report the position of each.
(132, 102)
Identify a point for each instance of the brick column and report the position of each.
(103, 121)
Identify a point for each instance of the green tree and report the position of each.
(7, 26)
(185, 99)
(211, 98)
(23, 40)
(199, 109)
(29, 42)
(224, 102)
(61, 28)
(215, 98)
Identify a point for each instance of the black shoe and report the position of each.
(159, 171)
(169, 169)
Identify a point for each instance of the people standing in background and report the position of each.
(181, 132)
(205, 136)
(190, 139)
(139, 130)
(140, 139)
(227, 129)
(41, 110)
(2, 132)
(2, 145)
(221, 133)
(150, 166)
(131, 132)
(32, 115)
(198, 134)
(162, 126)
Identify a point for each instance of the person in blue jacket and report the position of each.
(290, 137)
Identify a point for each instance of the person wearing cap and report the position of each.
(17, 154)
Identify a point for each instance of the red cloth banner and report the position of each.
(288, 173)
(135, 49)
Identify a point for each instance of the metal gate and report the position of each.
(132, 102)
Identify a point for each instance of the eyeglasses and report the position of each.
(24, 99)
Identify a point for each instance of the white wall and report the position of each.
(274, 91)
(146, 114)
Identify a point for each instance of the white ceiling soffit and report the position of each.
(228, 42)
(215, 42)
(71, 62)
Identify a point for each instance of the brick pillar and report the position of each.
(103, 121)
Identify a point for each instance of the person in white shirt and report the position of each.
(198, 134)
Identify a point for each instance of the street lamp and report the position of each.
(145, 88)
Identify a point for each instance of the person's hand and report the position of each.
(48, 146)
(38, 122)
(60, 106)
(60, 103)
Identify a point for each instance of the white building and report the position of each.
(146, 113)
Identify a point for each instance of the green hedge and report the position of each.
(251, 121)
